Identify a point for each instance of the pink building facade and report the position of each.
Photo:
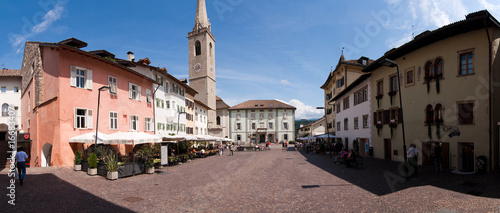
(60, 93)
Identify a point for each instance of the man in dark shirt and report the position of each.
(437, 157)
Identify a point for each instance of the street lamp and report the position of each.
(103, 88)
(327, 133)
(390, 63)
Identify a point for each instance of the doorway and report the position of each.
(428, 154)
(466, 157)
(387, 149)
(262, 138)
(270, 137)
(46, 155)
(363, 151)
(346, 144)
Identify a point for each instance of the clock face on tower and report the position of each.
(197, 67)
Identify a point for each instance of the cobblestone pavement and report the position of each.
(266, 181)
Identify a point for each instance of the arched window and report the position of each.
(438, 112)
(429, 114)
(218, 120)
(5, 110)
(429, 70)
(211, 49)
(198, 48)
(438, 68)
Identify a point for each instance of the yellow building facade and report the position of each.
(449, 95)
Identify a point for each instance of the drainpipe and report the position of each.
(490, 116)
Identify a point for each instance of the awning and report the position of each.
(132, 138)
(89, 138)
(327, 136)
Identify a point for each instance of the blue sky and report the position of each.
(279, 49)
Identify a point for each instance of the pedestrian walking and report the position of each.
(221, 150)
(412, 156)
(21, 158)
(437, 157)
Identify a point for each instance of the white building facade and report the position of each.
(10, 97)
(353, 117)
(200, 118)
(259, 121)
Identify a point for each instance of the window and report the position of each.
(466, 63)
(218, 120)
(393, 83)
(270, 125)
(28, 123)
(82, 118)
(134, 123)
(112, 85)
(365, 121)
(252, 116)
(466, 113)
(340, 82)
(148, 96)
(429, 114)
(238, 137)
(285, 126)
(356, 123)
(4, 89)
(238, 126)
(338, 126)
(168, 104)
(285, 115)
(346, 123)
(438, 68)
(338, 108)
(378, 117)
(346, 103)
(238, 116)
(410, 77)
(16, 89)
(166, 88)
(148, 124)
(134, 92)
(253, 126)
(113, 120)
(429, 70)
(270, 115)
(380, 87)
(361, 96)
(5, 110)
(81, 77)
(438, 113)
(285, 137)
(198, 48)
(261, 116)
(394, 117)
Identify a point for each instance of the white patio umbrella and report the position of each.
(89, 138)
(132, 138)
(327, 136)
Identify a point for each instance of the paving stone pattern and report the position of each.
(266, 181)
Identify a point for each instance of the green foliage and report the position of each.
(183, 146)
(149, 164)
(78, 158)
(102, 152)
(111, 163)
(92, 161)
(291, 142)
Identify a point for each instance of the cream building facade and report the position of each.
(258, 121)
(449, 95)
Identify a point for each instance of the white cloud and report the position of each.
(285, 82)
(491, 7)
(305, 111)
(437, 13)
(397, 42)
(17, 41)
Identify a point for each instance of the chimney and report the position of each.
(130, 56)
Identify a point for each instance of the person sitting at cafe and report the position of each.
(341, 156)
(351, 158)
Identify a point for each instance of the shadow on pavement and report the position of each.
(382, 177)
(56, 194)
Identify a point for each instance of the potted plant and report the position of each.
(147, 153)
(393, 124)
(92, 164)
(149, 164)
(78, 161)
(112, 166)
(379, 126)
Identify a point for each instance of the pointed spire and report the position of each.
(201, 20)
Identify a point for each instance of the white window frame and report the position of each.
(148, 124)
(285, 125)
(113, 120)
(148, 96)
(87, 77)
(88, 118)
(131, 91)
(134, 119)
(113, 85)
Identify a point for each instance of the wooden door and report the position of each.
(426, 153)
(445, 155)
(387, 149)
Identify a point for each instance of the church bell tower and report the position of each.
(202, 60)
